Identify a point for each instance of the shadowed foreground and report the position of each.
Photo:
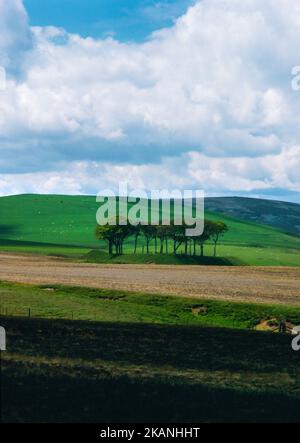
(104, 372)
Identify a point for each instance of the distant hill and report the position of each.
(53, 224)
(282, 215)
(63, 219)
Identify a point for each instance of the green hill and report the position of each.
(282, 215)
(65, 225)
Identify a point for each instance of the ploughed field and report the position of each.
(279, 285)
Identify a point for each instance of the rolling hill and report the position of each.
(282, 215)
(65, 225)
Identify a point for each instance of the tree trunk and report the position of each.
(215, 248)
(186, 247)
(177, 246)
(135, 244)
(161, 246)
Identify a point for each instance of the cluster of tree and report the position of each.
(161, 237)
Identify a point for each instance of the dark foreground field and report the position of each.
(64, 371)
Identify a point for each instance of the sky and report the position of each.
(126, 20)
(170, 94)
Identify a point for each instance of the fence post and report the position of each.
(29, 312)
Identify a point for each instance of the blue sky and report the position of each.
(127, 20)
(163, 94)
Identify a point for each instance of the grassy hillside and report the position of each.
(65, 225)
(282, 215)
(48, 219)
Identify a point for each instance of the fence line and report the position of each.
(30, 313)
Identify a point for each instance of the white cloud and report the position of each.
(213, 90)
(15, 35)
(192, 170)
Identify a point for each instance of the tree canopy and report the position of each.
(161, 236)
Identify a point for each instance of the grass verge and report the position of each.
(79, 303)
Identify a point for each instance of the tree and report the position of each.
(107, 233)
(115, 235)
(177, 234)
(137, 234)
(162, 233)
(206, 235)
(149, 233)
(219, 229)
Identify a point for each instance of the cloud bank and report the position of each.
(206, 103)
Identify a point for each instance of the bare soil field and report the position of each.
(280, 285)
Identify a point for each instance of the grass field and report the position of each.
(79, 303)
(39, 248)
(229, 255)
(65, 225)
(139, 357)
(64, 371)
